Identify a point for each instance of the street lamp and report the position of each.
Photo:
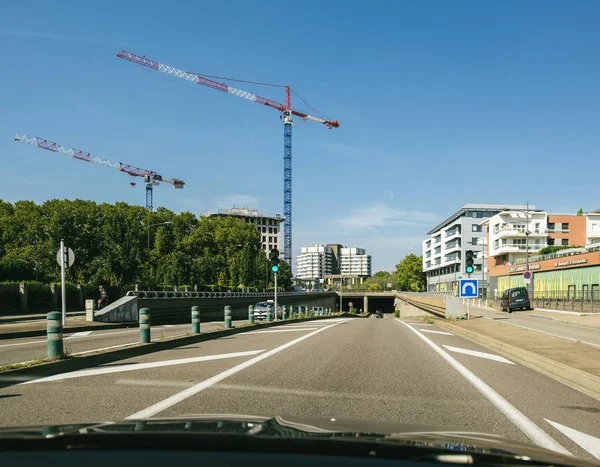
(152, 225)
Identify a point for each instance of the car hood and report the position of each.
(317, 429)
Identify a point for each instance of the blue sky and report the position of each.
(429, 95)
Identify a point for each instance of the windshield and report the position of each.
(405, 230)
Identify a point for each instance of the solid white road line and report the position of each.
(42, 341)
(590, 443)
(181, 396)
(475, 353)
(141, 366)
(437, 332)
(547, 333)
(266, 331)
(129, 344)
(533, 432)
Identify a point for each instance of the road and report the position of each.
(344, 368)
(26, 349)
(584, 334)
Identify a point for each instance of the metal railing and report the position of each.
(558, 254)
(173, 294)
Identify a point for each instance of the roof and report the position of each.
(244, 212)
(478, 207)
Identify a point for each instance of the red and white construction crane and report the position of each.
(151, 178)
(286, 114)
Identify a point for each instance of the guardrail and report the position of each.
(189, 294)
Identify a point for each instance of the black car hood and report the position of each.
(286, 427)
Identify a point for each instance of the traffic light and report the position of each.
(469, 261)
(274, 259)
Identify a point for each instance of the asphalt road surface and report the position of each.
(343, 368)
(585, 334)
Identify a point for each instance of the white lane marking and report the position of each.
(142, 366)
(189, 392)
(475, 353)
(436, 332)
(533, 432)
(42, 341)
(78, 335)
(280, 330)
(590, 443)
(544, 332)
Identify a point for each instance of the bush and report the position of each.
(10, 297)
(39, 296)
(397, 313)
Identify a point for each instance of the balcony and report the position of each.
(517, 248)
(452, 233)
(507, 232)
(593, 235)
(452, 246)
(557, 230)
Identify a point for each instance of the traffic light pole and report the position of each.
(275, 274)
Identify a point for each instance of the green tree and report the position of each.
(410, 273)
(580, 212)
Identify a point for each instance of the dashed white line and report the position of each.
(266, 331)
(475, 353)
(189, 392)
(437, 332)
(527, 426)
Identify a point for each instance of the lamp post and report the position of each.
(148, 246)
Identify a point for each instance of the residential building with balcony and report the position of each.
(355, 262)
(444, 250)
(592, 227)
(268, 225)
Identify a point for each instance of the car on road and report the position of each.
(261, 308)
(515, 299)
(378, 314)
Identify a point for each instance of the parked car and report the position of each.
(379, 314)
(514, 299)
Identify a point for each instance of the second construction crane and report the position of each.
(151, 178)
(286, 113)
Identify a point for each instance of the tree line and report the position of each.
(121, 245)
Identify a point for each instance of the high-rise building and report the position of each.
(268, 225)
(444, 250)
(355, 261)
(314, 262)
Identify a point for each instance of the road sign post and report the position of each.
(65, 258)
(527, 277)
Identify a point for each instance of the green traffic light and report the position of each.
(275, 268)
(469, 269)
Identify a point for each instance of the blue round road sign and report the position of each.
(526, 275)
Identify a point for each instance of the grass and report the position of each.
(429, 321)
(16, 366)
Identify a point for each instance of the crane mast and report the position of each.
(286, 110)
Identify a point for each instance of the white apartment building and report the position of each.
(268, 225)
(355, 261)
(314, 262)
(508, 232)
(444, 250)
(592, 227)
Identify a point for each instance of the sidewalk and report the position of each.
(33, 317)
(568, 361)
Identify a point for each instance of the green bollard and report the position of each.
(195, 320)
(284, 313)
(269, 313)
(55, 335)
(145, 326)
(228, 317)
(250, 314)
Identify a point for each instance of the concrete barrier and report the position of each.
(177, 309)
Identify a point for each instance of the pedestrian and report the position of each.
(103, 297)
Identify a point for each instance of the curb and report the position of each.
(578, 379)
(19, 375)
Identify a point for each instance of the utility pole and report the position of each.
(527, 242)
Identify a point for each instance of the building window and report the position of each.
(551, 226)
(264, 239)
(476, 228)
(477, 214)
(474, 240)
(438, 250)
(565, 241)
(428, 244)
(427, 264)
(550, 242)
(428, 254)
(537, 227)
(438, 239)
(270, 230)
(274, 230)
(497, 228)
(565, 226)
(496, 244)
(477, 266)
